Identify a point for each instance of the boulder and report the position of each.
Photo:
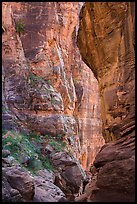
(46, 191)
(9, 194)
(69, 174)
(5, 153)
(116, 181)
(20, 180)
(121, 149)
(115, 173)
(10, 161)
(45, 174)
(116, 166)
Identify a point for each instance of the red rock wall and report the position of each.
(58, 94)
(106, 43)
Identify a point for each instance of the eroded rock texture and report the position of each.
(106, 43)
(47, 88)
(17, 185)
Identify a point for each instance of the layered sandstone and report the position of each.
(106, 43)
(46, 86)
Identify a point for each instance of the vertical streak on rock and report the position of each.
(61, 90)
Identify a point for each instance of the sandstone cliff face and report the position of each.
(106, 43)
(46, 86)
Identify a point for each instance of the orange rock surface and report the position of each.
(49, 88)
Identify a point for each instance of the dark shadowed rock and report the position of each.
(115, 176)
(10, 194)
(116, 165)
(69, 176)
(121, 149)
(116, 181)
(46, 191)
(21, 181)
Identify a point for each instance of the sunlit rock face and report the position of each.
(47, 87)
(88, 115)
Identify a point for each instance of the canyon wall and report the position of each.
(47, 88)
(106, 43)
(106, 40)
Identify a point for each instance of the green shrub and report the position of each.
(57, 145)
(47, 137)
(34, 137)
(53, 100)
(75, 81)
(21, 145)
(20, 27)
(4, 131)
(34, 79)
(52, 142)
(11, 144)
(69, 152)
(47, 164)
(59, 136)
(32, 134)
(63, 144)
(35, 163)
(48, 82)
(4, 154)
